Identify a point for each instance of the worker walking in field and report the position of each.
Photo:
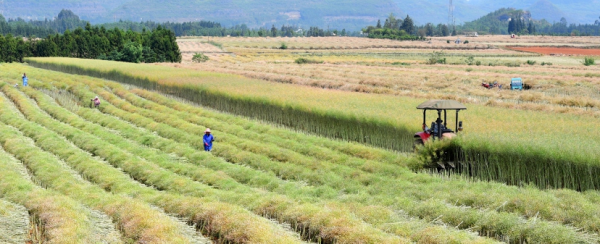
(96, 102)
(25, 79)
(208, 140)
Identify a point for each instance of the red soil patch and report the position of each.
(559, 50)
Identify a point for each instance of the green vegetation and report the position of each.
(158, 45)
(345, 191)
(588, 61)
(307, 61)
(509, 158)
(437, 58)
(199, 58)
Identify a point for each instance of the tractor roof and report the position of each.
(441, 105)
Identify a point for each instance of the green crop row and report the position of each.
(320, 223)
(561, 156)
(64, 220)
(338, 224)
(418, 230)
(151, 124)
(222, 221)
(507, 205)
(193, 112)
(138, 221)
(351, 180)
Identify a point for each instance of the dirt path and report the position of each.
(559, 51)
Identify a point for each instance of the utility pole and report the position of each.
(451, 16)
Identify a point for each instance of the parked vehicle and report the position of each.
(516, 84)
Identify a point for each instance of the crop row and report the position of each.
(154, 125)
(222, 221)
(254, 178)
(69, 223)
(491, 156)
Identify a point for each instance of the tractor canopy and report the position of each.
(441, 105)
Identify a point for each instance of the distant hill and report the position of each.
(349, 14)
(495, 22)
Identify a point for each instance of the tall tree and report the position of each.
(408, 25)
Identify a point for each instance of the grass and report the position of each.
(383, 181)
(367, 118)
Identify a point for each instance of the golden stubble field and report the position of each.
(557, 83)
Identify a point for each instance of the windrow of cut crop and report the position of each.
(138, 221)
(192, 116)
(319, 148)
(468, 200)
(222, 221)
(416, 229)
(325, 123)
(215, 124)
(539, 165)
(63, 219)
(418, 210)
(313, 221)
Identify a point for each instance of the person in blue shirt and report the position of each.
(25, 79)
(208, 140)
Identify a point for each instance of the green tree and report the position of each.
(429, 30)
(132, 52)
(408, 25)
(273, 31)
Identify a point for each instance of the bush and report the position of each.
(531, 62)
(469, 69)
(589, 61)
(199, 58)
(546, 63)
(307, 61)
(470, 60)
(436, 58)
(448, 41)
(466, 42)
(283, 46)
(478, 63)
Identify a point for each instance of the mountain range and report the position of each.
(349, 14)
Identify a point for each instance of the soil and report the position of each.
(570, 51)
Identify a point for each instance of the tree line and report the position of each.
(93, 42)
(394, 28)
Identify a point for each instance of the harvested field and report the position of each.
(317, 189)
(531, 155)
(570, 51)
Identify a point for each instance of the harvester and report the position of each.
(439, 128)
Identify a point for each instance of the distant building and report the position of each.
(471, 34)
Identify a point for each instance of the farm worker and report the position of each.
(96, 101)
(208, 140)
(25, 80)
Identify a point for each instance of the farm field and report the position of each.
(137, 162)
(506, 139)
(530, 160)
